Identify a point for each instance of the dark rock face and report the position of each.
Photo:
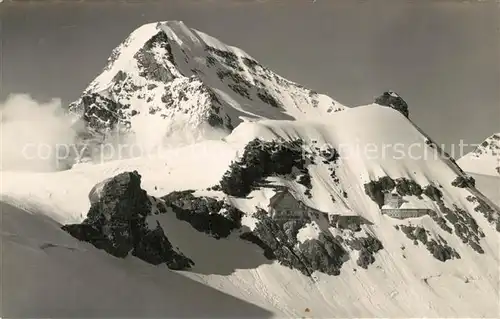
(486, 210)
(150, 68)
(437, 247)
(408, 187)
(305, 179)
(466, 227)
(260, 160)
(463, 225)
(227, 58)
(116, 223)
(433, 193)
(266, 97)
(100, 113)
(464, 181)
(278, 239)
(352, 223)
(393, 100)
(490, 145)
(367, 247)
(405, 187)
(365, 259)
(205, 214)
(229, 71)
(154, 248)
(100, 116)
(440, 221)
(323, 254)
(441, 251)
(376, 189)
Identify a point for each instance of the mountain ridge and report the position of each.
(188, 84)
(485, 158)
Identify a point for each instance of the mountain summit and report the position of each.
(485, 158)
(169, 84)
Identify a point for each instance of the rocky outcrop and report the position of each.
(367, 247)
(404, 187)
(149, 66)
(208, 215)
(451, 220)
(262, 159)
(278, 239)
(353, 222)
(437, 247)
(100, 113)
(324, 253)
(464, 181)
(489, 146)
(393, 100)
(377, 188)
(491, 215)
(116, 223)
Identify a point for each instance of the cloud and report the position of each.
(32, 134)
(41, 137)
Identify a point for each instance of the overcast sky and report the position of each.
(441, 56)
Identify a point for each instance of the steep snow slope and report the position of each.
(48, 274)
(485, 159)
(167, 84)
(373, 142)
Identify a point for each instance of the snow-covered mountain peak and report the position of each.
(485, 158)
(490, 146)
(169, 82)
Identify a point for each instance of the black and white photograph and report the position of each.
(249, 159)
